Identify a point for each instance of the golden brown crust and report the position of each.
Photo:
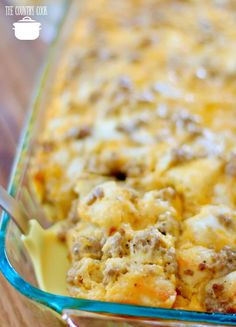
(138, 153)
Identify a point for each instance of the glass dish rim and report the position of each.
(57, 302)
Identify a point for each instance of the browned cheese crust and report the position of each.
(138, 153)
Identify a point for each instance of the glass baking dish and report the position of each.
(16, 266)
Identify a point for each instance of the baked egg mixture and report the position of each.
(137, 155)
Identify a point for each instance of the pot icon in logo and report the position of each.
(26, 29)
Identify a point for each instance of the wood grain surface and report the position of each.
(19, 66)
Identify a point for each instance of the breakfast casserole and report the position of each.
(137, 156)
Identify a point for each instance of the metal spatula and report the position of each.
(14, 209)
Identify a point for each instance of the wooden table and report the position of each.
(19, 65)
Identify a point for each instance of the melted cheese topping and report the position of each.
(137, 153)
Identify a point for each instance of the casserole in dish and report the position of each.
(135, 152)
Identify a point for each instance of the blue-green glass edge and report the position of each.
(60, 303)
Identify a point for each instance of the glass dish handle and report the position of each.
(77, 318)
